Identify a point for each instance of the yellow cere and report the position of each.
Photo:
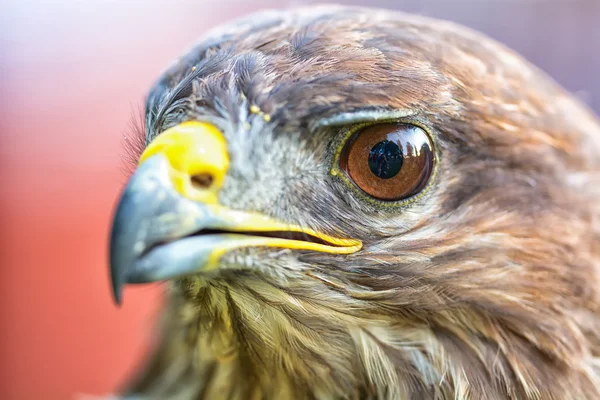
(193, 148)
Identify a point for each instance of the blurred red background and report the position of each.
(72, 73)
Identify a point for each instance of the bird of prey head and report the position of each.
(351, 203)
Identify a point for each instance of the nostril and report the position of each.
(202, 181)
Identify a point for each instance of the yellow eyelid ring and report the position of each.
(193, 149)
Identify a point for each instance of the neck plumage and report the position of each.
(253, 340)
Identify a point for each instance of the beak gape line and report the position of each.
(157, 230)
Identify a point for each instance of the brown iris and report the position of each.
(389, 161)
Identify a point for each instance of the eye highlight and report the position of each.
(391, 161)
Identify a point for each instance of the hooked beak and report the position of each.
(169, 223)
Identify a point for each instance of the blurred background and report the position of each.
(72, 74)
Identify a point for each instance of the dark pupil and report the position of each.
(385, 159)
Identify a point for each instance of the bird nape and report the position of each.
(350, 203)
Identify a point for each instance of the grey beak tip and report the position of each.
(119, 257)
(129, 214)
(116, 280)
(117, 291)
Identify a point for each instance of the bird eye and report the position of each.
(389, 161)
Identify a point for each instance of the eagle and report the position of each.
(354, 203)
